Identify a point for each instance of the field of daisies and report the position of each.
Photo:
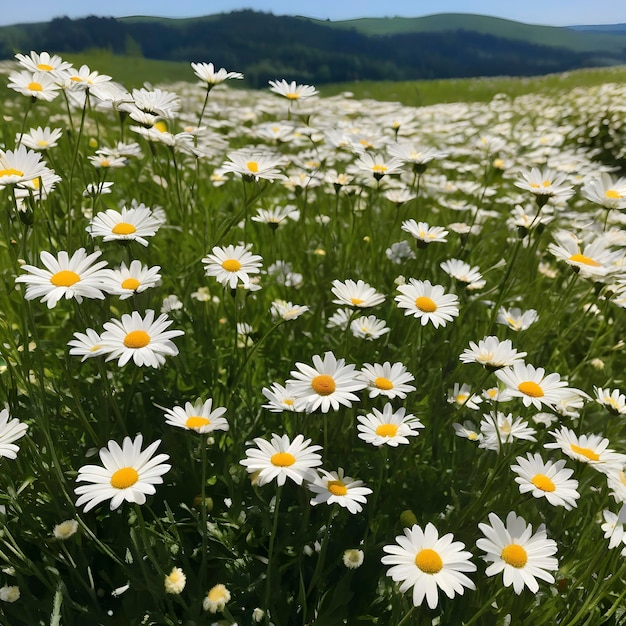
(268, 357)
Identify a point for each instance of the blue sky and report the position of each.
(549, 12)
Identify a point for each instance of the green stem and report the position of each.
(270, 554)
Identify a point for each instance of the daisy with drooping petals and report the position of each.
(533, 386)
(207, 74)
(328, 384)
(593, 259)
(335, 487)
(424, 233)
(469, 277)
(498, 429)
(231, 264)
(357, 294)
(605, 191)
(426, 562)
(387, 379)
(10, 430)
(612, 399)
(591, 449)
(461, 395)
(134, 224)
(292, 91)
(282, 458)
(516, 319)
(492, 353)
(199, 416)
(87, 344)
(546, 479)
(144, 340)
(286, 310)
(428, 303)
(519, 554)
(280, 398)
(67, 277)
(545, 184)
(388, 427)
(128, 474)
(467, 430)
(127, 281)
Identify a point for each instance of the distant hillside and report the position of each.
(264, 46)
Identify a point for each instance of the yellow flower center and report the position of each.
(253, 166)
(137, 339)
(130, 283)
(44, 67)
(541, 481)
(161, 126)
(76, 79)
(288, 402)
(425, 304)
(11, 172)
(323, 385)
(586, 452)
(356, 301)
(514, 555)
(95, 348)
(124, 478)
(383, 383)
(35, 86)
(292, 96)
(585, 260)
(613, 194)
(64, 278)
(461, 398)
(283, 459)
(123, 228)
(529, 388)
(429, 561)
(231, 265)
(472, 436)
(379, 169)
(42, 143)
(387, 430)
(195, 421)
(337, 488)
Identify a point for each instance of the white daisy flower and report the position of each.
(591, 260)
(516, 319)
(10, 430)
(545, 184)
(144, 340)
(38, 85)
(128, 474)
(460, 395)
(428, 303)
(616, 482)
(292, 91)
(613, 527)
(424, 233)
(498, 429)
(206, 73)
(612, 399)
(386, 379)
(134, 224)
(20, 165)
(216, 599)
(514, 550)
(467, 430)
(328, 384)
(40, 138)
(369, 327)
(546, 479)
(605, 191)
(340, 319)
(335, 487)
(126, 281)
(464, 273)
(280, 398)
(200, 416)
(87, 344)
(77, 277)
(42, 62)
(286, 310)
(388, 427)
(356, 294)
(426, 562)
(232, 264)
(378, 165)
(282, 458)
(492, 353)
(254, 164)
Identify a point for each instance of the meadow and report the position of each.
(289, 358)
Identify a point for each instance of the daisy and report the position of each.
(132, 224)
(42, 62)
(281, 458)
(592, 260)
(128, 473)
(291, 90)
(492, 353)
(591, 449)
(428, 303)
(10, 430)
(175, 581)
(463, 273)
(334, 487)
(164, 104)
(533, 386)
(281, 309)
(37, 85)
(84, 79)
(613, 399)
(280, 399)
(514, 550)
(460, 395)
(418, 157)
(199, 416)
(40, 138)
(388, 427)
(467, 430)
(340, 319)
(386, 379)
(377, 165)
(216, 599)
(498, 429)
(127, 281)
(77, 276)
(545, 184)
(328, 384)
(423, 233)
(144, 340)
(353, 558)
(254, 164)
(20, 165)
(232, 264)
(206, 73)
(613, 527)
(87, 344)
(616, 482)
(546, 479)
(516, 319)
(426, 562)
(605, 191)
(357, 294)
(104, 161)
(276, 216)
(369, 327)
